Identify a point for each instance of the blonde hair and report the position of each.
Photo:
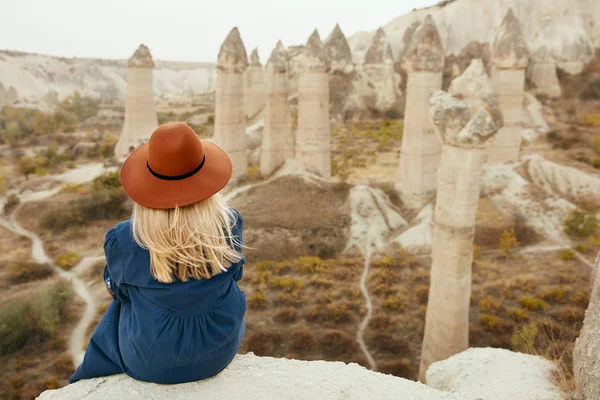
(191, 242)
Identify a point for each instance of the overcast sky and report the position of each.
(181, 30)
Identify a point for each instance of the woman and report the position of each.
(177, 313)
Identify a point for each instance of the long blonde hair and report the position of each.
(191, 242)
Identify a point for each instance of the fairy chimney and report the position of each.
(338, 51)
(140, 112)
(379, 69)
(465, 121)
(255, 87)
(230, 122)
(510, 58)
(313, 137)
(419, 158)
(277, 138)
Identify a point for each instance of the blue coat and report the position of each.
(164, 332)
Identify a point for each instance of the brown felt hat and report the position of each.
(174, 169)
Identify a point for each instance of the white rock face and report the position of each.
(27, 78)
(563, 180)
(277, 144)
(313, 136)
(495, 374)
(261, 378)
(255, 87)
(420, 154)
(230, 120)
(562, 32)
(587, 347)
(140, 113)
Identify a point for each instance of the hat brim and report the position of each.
(150, 191)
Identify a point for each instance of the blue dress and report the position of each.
(164, 332)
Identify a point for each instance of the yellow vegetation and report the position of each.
(508, 241)
(68, 260)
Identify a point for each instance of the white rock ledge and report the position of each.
(495, 374)
(265, 378)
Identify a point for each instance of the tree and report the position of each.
(27, 166)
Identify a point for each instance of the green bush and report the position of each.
(68, 260)
(21, 272)
(36, 319)
(581, 223)
(13, 327)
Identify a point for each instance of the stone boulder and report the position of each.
(265, 378)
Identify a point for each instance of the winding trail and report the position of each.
(79, 175)
(369, 304)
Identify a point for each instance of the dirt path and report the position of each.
(77, 339)
(369, 304)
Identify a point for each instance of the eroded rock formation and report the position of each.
(379, 70)
(313, 136)
(338, 51)
(140, 112)
(510, 58)
(465, 120)
(277, 138)
(420, 154)
(255, 87)
(230, 121)
(587, 346)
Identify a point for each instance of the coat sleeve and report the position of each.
(113, 271)
(238, 235)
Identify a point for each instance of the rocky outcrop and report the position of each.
(140, 112)
(313, 136)
(230, 120)
(277, 139)
(379, 72)
(255, 87)
(510, 58)
(587, 346)
(339, 51)
(420, 154)
(465, 120)
(496, 374)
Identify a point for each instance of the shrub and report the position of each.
(68, 260)
(591, 119)
(492, 323)
(596, 163)
(13, 327)
(286, 316)
(3, 184)
(567, 255)
(47, 308)
(387, 343)
(265, 342)
(517, 314)
(394, 303)
(592, 91)
(382, 322)
(253, 172)
(556, 295)
(288, 299)
(581, 224)
(489, 305)
(11, 203)
(569, 314)
(581, 299)
(508, 241)
(552, 135)
(257, 300)
(337, 343)
(287, 284)
(311, 265)
(422, 293)
(532, 303)
(21, 272)
(581, 248)
(403, 368)
(339, 312)
(302, 340)
(321, 282)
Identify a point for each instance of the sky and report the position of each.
(181, 30)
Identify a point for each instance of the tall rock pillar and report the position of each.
(420, 154)
(277, 139)
(379, 68)
(255, 87)
(510, 58)
(230, 122)
(587, 346)
(140, 112)
(465, 120)
(313, 136)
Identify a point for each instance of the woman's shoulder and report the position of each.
(119, 235)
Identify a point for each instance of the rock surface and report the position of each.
(425, 52)
(339, 50)
(495, 374)
(587, 347)
(510, 49)
(379, 51)
(141, 58)
(264, 378)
